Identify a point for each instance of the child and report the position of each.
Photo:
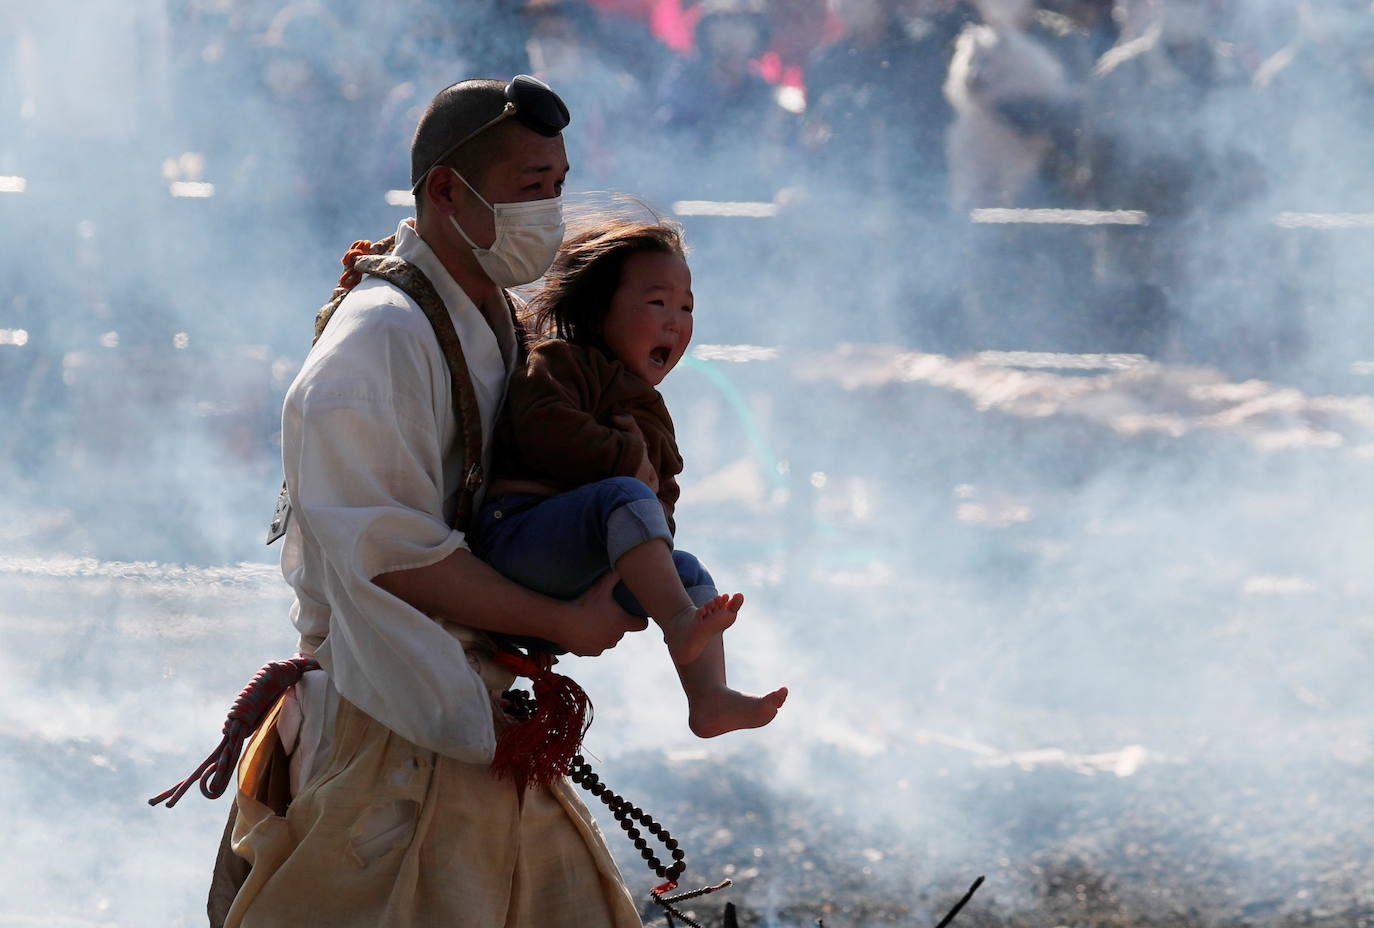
(585, 457)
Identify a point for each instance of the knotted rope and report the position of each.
(540, 749)
(350, 277)
(261, 693)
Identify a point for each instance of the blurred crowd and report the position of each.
(877, 125)
(962, 103)
(870, 128)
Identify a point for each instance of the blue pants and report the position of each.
(560, 545)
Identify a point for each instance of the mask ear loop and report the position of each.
(474, 190)
(454, 219)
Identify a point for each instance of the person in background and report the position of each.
(1011, 97)
(1076, 32)
(1015, 114)
(876, 115)
(726, 136)
(874, 133)
(585, 56)
(1166, 134)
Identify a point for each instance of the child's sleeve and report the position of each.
(553, 404)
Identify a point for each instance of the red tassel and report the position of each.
(540, 749)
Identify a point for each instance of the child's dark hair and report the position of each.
(578, 287)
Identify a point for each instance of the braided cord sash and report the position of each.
(246, 714)
(411, 280)
(375, 259)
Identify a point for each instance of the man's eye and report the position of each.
(655, 302)
(687, 309)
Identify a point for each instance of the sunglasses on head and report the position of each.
(535, 105)
(529, 101)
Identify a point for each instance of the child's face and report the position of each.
(650, 321)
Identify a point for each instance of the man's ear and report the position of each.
(439, 189)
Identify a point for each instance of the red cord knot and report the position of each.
(246, 714)
(540, 749)
(264, 690)
(351, 278)
(524, 666)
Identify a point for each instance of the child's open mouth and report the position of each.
(659, 356)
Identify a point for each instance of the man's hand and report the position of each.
(596, 622)
(587, 625)
(646, 473)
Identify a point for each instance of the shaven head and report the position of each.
(454, 114)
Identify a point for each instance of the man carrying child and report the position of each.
(394, 818)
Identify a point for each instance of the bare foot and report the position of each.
(688, 632)
(726, 710)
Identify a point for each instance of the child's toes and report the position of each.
(718, 615)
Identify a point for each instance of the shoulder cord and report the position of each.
(414, 284)
(350, 278)
(374, 258)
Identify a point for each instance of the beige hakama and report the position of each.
(474, 852)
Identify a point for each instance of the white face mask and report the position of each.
(527, 239)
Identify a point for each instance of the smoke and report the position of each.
(1056, 532)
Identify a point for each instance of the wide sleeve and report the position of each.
(553, 405)
(363, 451)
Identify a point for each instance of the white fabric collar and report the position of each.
(490, 355)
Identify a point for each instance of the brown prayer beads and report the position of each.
(628, 815)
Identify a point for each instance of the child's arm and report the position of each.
(665, 486)
(646, 473)
(552, 405)
(668, 491)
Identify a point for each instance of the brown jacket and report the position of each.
(557, 430)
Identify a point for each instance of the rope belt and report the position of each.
(261, 693)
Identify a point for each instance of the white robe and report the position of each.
(373, 460)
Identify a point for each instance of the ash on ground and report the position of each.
(1059, 846)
